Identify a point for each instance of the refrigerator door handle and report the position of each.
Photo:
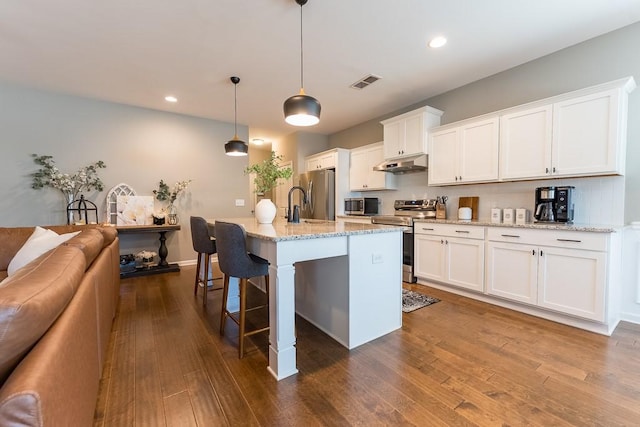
(310, 200)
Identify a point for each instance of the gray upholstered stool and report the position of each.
(235, 261)
(205, 245)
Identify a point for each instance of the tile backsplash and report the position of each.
(597, 200)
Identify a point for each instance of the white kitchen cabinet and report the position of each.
(324, 160)
(561, 271)
(452, 254)
(582, 133)
(362, 177)
(525, 143)
(465, 153)
(512, 271)
(406, 135)
(572, 281)
(586, 135)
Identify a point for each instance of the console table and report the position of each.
(163, 266)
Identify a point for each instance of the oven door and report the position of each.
(407, 256)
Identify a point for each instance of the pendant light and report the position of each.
(301, 109)
(236, 146)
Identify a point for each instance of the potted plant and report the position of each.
(268, 172)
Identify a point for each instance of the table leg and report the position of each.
(163, 251)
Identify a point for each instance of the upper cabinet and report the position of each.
(406, 135)
(324, 160)
(362, 177)
(581, 133)
(464, 153)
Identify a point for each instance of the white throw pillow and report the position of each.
(41, 241)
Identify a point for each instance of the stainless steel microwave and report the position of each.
(361, 206)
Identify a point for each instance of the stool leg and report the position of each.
(195, 287)
(204, 280)
(225, 295)
(243, 312)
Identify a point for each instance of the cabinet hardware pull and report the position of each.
(510, 235)
(569, 240)
(446, 242)
(441, 241)
(554, 169)
(456, 178)
(462, 231)
(546, 170)
(541, 253)
(426, 229)
(460, 177)
(533, 251)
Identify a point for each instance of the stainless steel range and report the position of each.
(405, 211)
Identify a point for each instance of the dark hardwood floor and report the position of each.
(456, 363)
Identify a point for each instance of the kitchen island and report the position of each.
(345, 278)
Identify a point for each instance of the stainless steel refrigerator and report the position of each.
(320, 187)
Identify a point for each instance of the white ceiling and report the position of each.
(137, 51)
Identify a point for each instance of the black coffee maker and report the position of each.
(554, 204)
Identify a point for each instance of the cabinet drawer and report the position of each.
(555, 238)
(450, 230)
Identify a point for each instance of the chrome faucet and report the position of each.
(295, 215)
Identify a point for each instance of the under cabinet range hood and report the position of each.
(406, 165)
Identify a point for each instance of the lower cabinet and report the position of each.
(441, 255)
(550, 270)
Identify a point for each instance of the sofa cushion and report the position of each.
(40, 241)
(90, 242)
(33, 298)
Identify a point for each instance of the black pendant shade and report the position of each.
(301, 109)
(236, 147)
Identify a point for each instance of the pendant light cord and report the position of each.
(235, 110)
(301, 54)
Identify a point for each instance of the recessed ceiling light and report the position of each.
(437, 42)
(170, 98)
(257, 141)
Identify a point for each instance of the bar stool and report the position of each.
(235, 261)
(205, 245)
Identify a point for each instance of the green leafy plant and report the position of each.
(85, 179)
(268, 172)
(164, 193)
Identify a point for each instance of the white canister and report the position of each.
(508, 216)
(464, 214)
(496, 215)
(522, 216)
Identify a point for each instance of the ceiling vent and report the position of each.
(365, 81)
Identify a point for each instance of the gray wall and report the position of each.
(139, 146)
(605, 58)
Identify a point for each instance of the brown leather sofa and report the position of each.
(55, 320)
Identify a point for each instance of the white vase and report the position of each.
(265, 211)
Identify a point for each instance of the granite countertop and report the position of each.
(281, 230)
(533, 225)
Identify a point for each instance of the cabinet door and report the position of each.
(478, 151)
(572, 281)
(443, 157)
(429, 257)
(525, 143)
(465, 263)
(393, 136)
(313, 164)
(378, 180)
(512, 271)
(414, 137)
(585, 138)
(328, 161)
(358, 173)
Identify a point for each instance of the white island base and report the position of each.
(345, 278)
